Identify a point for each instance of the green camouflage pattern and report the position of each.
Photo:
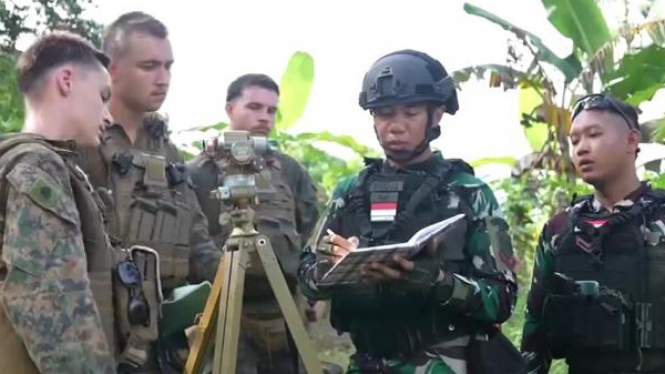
(153, 137)
(46, 293)
(536, 356)
(488, 248)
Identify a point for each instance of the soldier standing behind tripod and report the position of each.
(153, 202)
(286, 218)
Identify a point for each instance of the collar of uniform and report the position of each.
(427, 165)
(596, 206)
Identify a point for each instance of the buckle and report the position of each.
(644, 324)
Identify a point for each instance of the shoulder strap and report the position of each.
(459, 165)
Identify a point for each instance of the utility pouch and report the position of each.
(165, 226)
(579, 322)
(138, 300)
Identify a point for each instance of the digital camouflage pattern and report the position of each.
(534, 348)
(46, 293)
(488, 248)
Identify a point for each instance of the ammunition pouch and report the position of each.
(403, 337)
(166, 226)
(600, 322)
(138, 299)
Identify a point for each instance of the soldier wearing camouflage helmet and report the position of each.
(56, 310)
(419, 315)
(153, 203)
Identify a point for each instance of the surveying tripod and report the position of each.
(224, 305)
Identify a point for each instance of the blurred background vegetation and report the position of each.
(624, 59)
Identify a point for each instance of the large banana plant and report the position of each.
(625, 61)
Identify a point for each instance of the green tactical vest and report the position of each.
(619, 326)
(148, 187)
(99, 255)
(275, 217)
(387, 321)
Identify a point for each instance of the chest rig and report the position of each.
(609, 293)
(149, 189)
(389, 207)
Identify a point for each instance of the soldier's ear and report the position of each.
(437, 115)
(229, 109)
(64, 80)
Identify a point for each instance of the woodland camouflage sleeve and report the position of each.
(535, 352)
(46, 293)
(205, 256)
(489, 293)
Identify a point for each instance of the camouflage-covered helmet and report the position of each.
(405, 77)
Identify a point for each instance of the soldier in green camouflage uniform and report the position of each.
(56, 312)
(420, 315)
(153, 203)
(287, 217)
(597, 294)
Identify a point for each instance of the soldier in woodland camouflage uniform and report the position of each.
(597, 297)
(56, 311)
(153, 202)
(287, 218)
(420, 315)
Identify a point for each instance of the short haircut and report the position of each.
(250, 80)
(52, 50)
(116, 34)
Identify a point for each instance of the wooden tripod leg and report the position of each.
(287, 305)
(206, 326)
(230, 308)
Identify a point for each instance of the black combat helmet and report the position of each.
(406, 77)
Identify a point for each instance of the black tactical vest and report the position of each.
(620, 325)
(381, 319)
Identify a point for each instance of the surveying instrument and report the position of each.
(241, 160)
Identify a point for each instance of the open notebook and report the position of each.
(347, 269)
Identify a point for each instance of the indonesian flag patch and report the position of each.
(383, 212)
(597, 222)
(383, 206)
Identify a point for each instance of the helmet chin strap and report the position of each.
(431, 133)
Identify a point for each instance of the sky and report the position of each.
(216, 41)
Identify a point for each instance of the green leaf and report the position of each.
(570, 66)
(510, 161)
(581, 21)
(295, 88)
(343, 140)
(510, 78)
(639, 75)
(219, 126)
(536, 135)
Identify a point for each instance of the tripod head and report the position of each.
(240, 158)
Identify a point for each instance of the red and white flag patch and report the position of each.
(383, 211)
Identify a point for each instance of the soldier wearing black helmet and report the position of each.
(421, 315)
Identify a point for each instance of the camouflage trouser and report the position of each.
(445, 358)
